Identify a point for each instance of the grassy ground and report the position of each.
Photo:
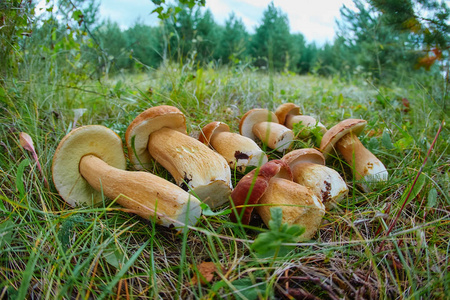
(50, 250)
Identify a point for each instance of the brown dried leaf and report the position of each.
(26, 142)
(206, 272)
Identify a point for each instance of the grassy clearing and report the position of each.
(49, 250)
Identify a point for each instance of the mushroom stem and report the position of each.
(192, 164)
(307, 121)
(239, 150)
(274, 135)
(149, 196)
(325, 182)
(366, 165)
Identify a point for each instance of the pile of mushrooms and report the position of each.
(89, 164)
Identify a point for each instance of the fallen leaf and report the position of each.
(206, 272)
(27, 143)
(405, 103)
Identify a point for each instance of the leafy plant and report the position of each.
(270, 243)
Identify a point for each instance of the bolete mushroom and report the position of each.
(239, 151)
(89, 162)
(159, 133)
(343, 136)
(290, 114)
(308, 169)
(263, 124)
(270, 186)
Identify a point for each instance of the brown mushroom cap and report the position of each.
(252, 187)
(253, 116)
(210, 129)
(92, 139)
(287, 109)
(304, 155)
(145, 124)
(339, 130)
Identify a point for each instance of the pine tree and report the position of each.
(427, 20)
(234, 41)
(272, 43)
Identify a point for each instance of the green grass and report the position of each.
(49, 250)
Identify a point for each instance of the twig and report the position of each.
(412, 186)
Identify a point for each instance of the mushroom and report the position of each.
(343, 136)
(290, 114)
(262, 124)
(308, 169)
(273, 186)
(89, 162)
(239, 151)
(159, 133)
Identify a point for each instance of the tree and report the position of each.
(374, 46)
(272, 43)
(145, 44)
(234, 40)
(427, 20)
(207, 36)
(16, 21)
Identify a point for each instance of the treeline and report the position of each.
(368, 43)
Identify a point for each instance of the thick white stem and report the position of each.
(274, 135)
(364, 164)
(238, 150)
(325, 182)
(194, 166)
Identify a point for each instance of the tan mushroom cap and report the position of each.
(287, 109)
(339, 130)
(304, 155)
(252, 117)
(210, 129)
(92, 139)
(145, 124)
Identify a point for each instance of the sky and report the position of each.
(315, 19)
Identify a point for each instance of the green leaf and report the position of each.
(123, 270)
(6, 231)
(206, 211)
(113, 256)
(67, 228)
(248, 290)
(340, 100)
(269, 243)
(420, 183)
(19, 177)
(386, 141)
(76, 15)
(432, 198)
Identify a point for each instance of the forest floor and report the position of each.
(49, 250)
